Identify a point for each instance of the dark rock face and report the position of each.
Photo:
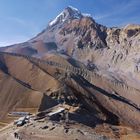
(81, 63)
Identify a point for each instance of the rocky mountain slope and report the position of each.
(78, 62)
(110, 51)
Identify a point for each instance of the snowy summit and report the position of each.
(68, 13)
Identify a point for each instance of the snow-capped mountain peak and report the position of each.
(68, 13)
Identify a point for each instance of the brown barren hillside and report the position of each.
(90, 70)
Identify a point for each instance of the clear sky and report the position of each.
(20, 20)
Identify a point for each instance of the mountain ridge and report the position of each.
(85, 40)
(76, 62)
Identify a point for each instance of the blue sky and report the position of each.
(20, 20)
